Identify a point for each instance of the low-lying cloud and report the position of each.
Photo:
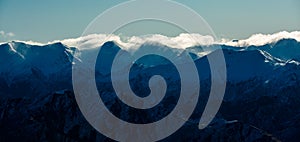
(181, 41)
(263, 39)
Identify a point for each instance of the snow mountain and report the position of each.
(261, 101)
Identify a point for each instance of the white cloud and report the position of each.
(181, 41)
(33, 42)
(262, 39)
(10, 34)
(6, 35)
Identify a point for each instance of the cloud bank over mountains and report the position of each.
(181, 41)
(262, 39)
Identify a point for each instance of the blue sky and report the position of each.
(42, 21)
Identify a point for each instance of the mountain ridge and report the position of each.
(261, 100)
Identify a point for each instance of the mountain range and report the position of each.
(261, 100)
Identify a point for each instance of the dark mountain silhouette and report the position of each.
(261, 102)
